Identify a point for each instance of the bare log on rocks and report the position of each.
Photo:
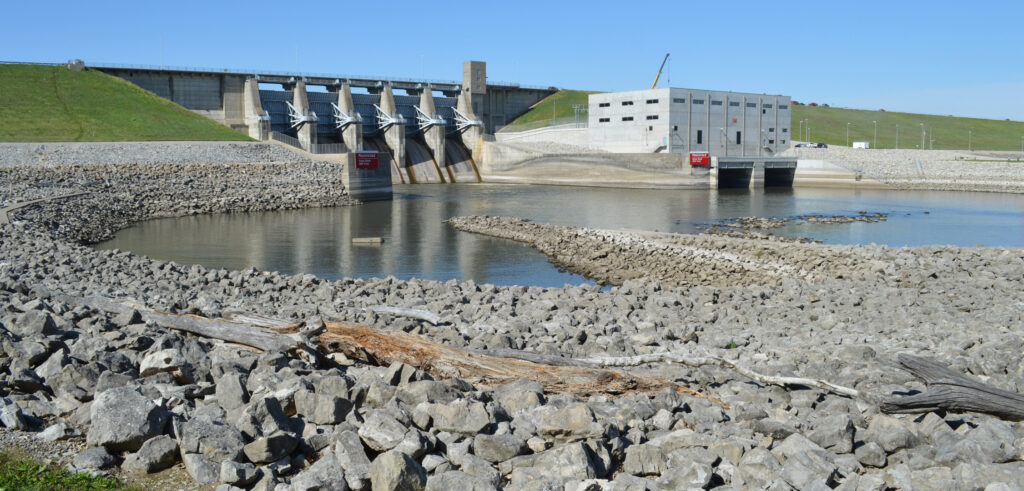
(953, 391)
(418, 314)
(697, 361)
(233, 332)
(386, 347)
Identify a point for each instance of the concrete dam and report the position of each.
(430, 128)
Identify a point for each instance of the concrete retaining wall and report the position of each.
(565, 135)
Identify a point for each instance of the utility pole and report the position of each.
(874, 143)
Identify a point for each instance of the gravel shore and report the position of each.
(947, 170)
(144, 398)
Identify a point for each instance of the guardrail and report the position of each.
(570, 121)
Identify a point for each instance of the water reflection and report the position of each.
(417, 243)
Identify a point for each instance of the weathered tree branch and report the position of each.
(233, 332)
(419, 314)
(697, 361)
(952, 391)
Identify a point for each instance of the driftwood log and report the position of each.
(385, 347)
(243, 333)
(952, 391)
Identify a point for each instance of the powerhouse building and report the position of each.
(724, 124)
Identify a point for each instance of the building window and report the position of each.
(679, 100)
(604, 104)
(771, 130)
(652, 101)
(675, 128)
(700, 136)
(785, 130)
(783, 142)
(697, 101)
(783, 106)
(766, 106)
(716, 103)
(604, 120)
(627, 103)
(752, 104)
(771, 142)
(627, 118)
(738, 138)
(650, 128)
(653, 116)
(734, 104)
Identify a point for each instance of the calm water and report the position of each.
(418, 243)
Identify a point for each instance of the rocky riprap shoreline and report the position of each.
(142, 398)
(760, 227)
(947, 170)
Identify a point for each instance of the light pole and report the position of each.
(801, 129)
(847, 134)
(922, 135)
(874, 143)
(931, 138)
(897, 137)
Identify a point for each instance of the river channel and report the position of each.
(417, 242)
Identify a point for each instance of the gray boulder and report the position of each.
(570, 423)
(381, 431)
(834, 433)
(93, 458)
(644, 460)
(498, 448)
(871, 454)
(231, 392)
(395, 471)
(201, 469)
(238, 474)
(214, 440)
(264, 416)
(889, 433)
(59, 431)
(270, 448)
(36, 323)
(155, 455)
(456, 480)
(324, 475)
(123, 418)
(462, 416)
(321, 409)
(695, 475)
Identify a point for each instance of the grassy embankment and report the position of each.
(557, 107)
(828, 125)
(51, 103)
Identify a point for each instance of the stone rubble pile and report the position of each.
(142, 398)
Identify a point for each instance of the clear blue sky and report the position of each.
(940, 57)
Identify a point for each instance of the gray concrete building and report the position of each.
(724, 124)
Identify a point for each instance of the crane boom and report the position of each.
(662, 67)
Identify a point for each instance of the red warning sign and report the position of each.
(700, 158)
(366, 160)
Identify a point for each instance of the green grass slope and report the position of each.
(828, 125)
(554, 106)
(52, 103)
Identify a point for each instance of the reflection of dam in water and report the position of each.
(418, 244)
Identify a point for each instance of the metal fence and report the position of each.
(287, 140)
(563, 122)
(323, 148)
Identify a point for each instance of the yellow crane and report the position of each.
(659, 71)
